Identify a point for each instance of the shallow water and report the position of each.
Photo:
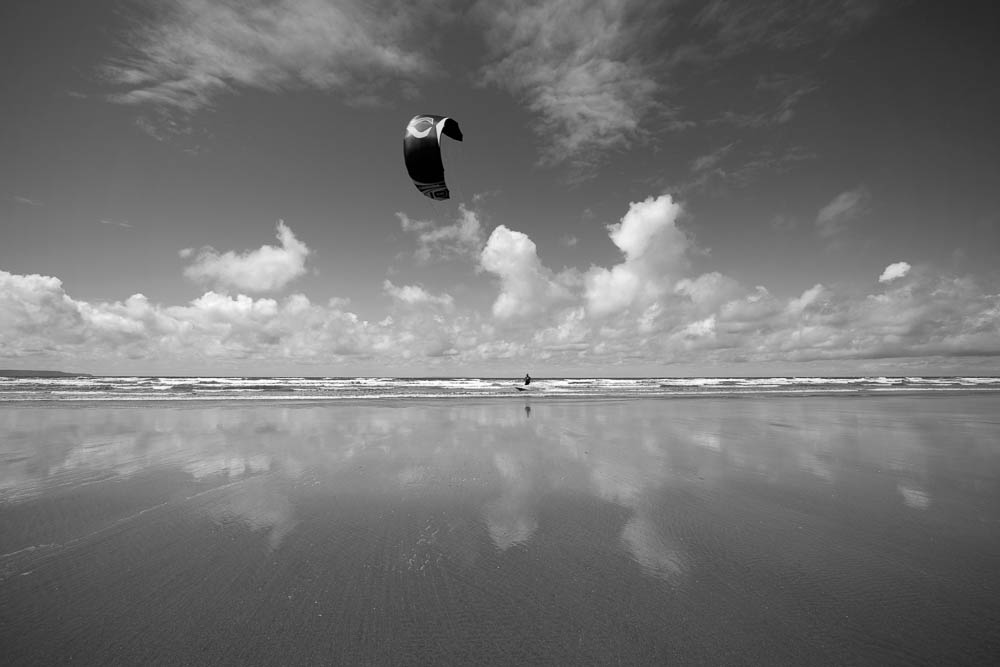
(636, 531)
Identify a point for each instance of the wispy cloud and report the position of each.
(710, 160)
(705, 36)
(784, 223)
(729, 167)
(463, 239)
(263, 270)
(25, 200)
(783, 93)
(779, 24)
(179, 56)
(832, 219)
(116, 223)
(769, 162)
(577, 65)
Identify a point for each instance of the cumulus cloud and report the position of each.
(575, 64)
(894, 271)
(833, 218)
(644, 313)
(415, 295)
(266, 269)
(654, 249)
(709, 291)
(463, 239)
(38, 317)
(527, 288)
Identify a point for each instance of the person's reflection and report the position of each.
(527, 411)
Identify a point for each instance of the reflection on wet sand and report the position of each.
(573, 531)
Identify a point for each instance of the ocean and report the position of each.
(141, 388)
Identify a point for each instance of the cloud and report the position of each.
(894, 271)
(643, 314)
(782, 25)
(576, 65)
(727, 168)
(179, 56)
(527, 288)
(783, 223)
(833, 218)
(711, 160)
(116, 223)
(263, 270)
(26, 201)
(709, 291)
(788, 91)
(415, 295)
(462, 239)
(654, 249)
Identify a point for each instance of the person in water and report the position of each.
(527, 379)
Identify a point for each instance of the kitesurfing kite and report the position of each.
(422, 152)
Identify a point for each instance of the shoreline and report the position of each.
(208, 397)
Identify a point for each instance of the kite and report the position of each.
(422, 152)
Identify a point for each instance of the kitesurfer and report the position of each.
(527, 379)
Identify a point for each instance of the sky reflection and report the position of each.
(497, 464)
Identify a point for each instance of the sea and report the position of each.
(148, 388)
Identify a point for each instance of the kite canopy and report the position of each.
(422, 152)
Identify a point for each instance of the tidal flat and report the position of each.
(738, 530)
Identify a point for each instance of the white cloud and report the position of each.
(654, 249)
(833, 218)
(263, 270)
(575, 63)
(809, 299)
(710, 290)
(894, 271)
(527, 288)
(463, 239)
(644, 313)
(415, 295)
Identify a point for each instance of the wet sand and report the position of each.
(793, 530)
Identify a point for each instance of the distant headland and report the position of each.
(40, 374)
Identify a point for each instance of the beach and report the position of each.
(749, 529)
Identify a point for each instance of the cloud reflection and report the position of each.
(480, 474)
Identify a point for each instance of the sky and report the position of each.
(714, 188)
